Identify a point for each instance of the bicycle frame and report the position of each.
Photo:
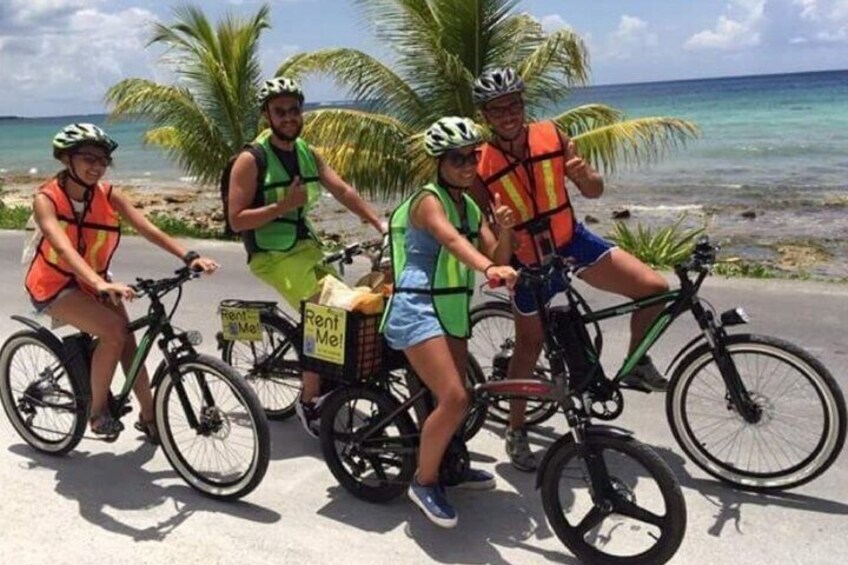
(676, 301)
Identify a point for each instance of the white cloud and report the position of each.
(553, 22)
(76, 55)
(631, 37)
(736, 29)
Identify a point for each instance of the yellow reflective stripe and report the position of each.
(515, 197)
(94, 250)
(550, 185)
(52, 254)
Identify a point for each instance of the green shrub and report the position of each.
(660, 248)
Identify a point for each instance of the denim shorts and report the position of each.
(585, 249)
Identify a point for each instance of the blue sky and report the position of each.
(58, 57)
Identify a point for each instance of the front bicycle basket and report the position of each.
(339, 344)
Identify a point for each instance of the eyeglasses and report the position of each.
(290, 112)
(91, 159)
(498, 112)
(457, 160)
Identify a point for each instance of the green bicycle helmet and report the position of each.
(278, 86)
(495, 83)
(450, 133)
(74, 135)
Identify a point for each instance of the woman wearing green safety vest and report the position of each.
(435, 236)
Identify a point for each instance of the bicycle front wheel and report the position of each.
(212, 428)
(625, 507)
(270, 366)
(799, 428)
(43, 401)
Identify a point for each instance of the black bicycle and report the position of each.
(270, 360)
(609, 498)
(755, 411)
(211, 426)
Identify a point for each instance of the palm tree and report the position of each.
(212, 111)
(440, 46)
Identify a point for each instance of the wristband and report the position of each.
(486, 270)
(189, 257)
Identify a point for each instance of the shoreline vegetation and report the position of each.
(195, 211)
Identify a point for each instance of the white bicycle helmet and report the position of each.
(450, 133)
(74, 135)
(495, 83)
(278, 86)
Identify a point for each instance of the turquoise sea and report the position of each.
(775, 144)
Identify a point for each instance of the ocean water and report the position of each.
(776, 144)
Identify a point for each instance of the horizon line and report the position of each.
(588, 86)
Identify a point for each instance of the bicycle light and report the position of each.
(735, 317)
(194, 337)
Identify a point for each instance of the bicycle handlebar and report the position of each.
(159, 287)
(346, 255)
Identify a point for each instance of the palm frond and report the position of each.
(559, 62)
(634, 142)
(367, 79)
(582, 119)
(369, 150)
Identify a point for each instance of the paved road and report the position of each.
(122, 501)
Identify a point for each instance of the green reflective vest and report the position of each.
(284, 232)
(452, 283)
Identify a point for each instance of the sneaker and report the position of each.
(475, 479)
(646, 377)
(431, 500)
(518, 449)
(309, 414)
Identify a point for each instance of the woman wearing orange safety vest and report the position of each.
(78, 217)
(526, 166)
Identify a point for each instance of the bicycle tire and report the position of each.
(12, 404)
(672, 523)
(338, 449)
(690, 373)
(537, 412)
(213, 421)
(287, 374)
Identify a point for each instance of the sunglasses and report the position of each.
(290, 112)
(457, 160)
(513, 109)
(91, 159)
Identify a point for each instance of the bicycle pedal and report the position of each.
(636, 387)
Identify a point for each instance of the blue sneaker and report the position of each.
(475, 479)
(433, 503)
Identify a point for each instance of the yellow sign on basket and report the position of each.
(324, 333)
(240, 324)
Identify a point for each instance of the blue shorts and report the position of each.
(585, 249)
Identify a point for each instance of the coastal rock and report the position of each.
(179, 198)
(621, 214)
(749, 214)
(590, 219)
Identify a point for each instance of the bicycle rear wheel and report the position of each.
(491, 344)
(270, 366)
(800, 428)
(638, 513)
(43, 401)
(212, 427)
(376, 469)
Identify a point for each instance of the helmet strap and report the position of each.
(72, 174)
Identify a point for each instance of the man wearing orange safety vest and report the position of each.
(526, 166)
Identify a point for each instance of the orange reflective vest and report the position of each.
(534, 188)
(95, 235)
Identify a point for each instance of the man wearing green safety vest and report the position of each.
(283, 250)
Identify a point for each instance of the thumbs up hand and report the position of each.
(504, 215)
